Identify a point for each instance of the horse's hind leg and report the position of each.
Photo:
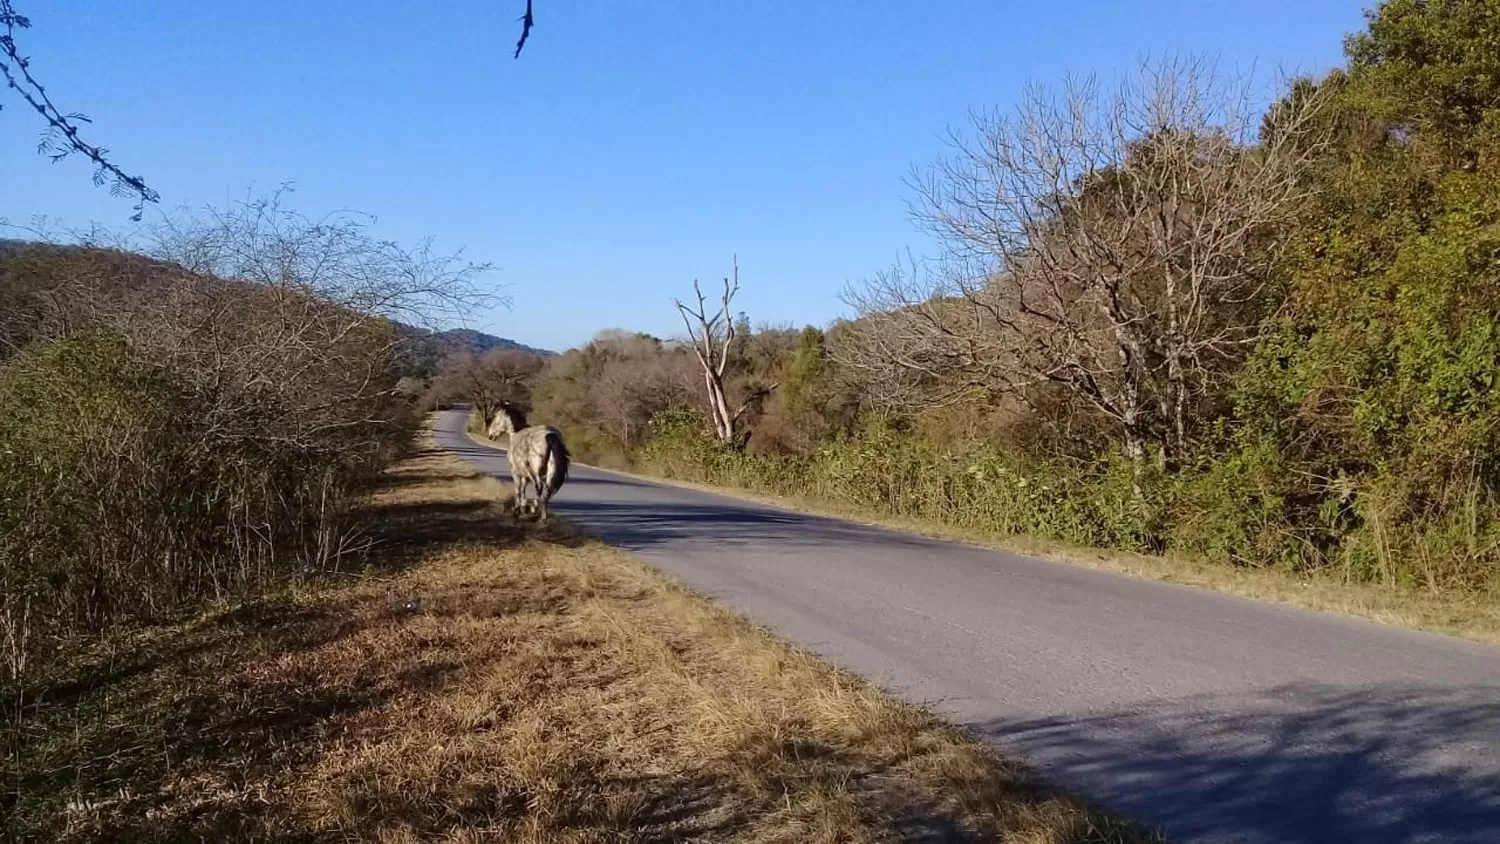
(520, 484)
(536, 502)
(541, 500)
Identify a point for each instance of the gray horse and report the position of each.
(537, 455)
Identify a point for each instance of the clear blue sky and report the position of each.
(632, 147)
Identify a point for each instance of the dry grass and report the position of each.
(491, 681)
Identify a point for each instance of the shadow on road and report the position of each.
(1295, 763)
(640, 525)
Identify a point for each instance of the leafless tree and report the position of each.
(499, 375)
(712, 335)
(1118, 245)
(291, 319)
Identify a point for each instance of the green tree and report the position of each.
(1377, 386)
(803, 371)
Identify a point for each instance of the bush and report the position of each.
(888, 470)
(118, 503)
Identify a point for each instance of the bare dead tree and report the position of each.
(712, 334)
(1116, 245)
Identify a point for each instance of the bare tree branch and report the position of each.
(759, 395)
(527, 21)
(62, 138)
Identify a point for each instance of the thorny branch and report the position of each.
(62, 137)
(527, 21)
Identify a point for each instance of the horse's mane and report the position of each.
(514, 414)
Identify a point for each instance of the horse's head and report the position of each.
(508, 419)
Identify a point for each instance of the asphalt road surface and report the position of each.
(1216, 718)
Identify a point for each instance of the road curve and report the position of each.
(1217, 718)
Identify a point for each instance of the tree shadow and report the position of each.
(405, 533)
(102, 749)
(645, 524)
(1302, 762)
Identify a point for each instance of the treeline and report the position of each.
(190, 420)
(1162, 321)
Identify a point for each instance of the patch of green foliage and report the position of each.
(1368, 418)
(885, 468)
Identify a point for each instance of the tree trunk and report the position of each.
(712, 339)
(1135, 450)
(718, 407)
(1177, 383)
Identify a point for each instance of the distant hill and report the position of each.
(422, 350)
(426, 349)
(478, 342)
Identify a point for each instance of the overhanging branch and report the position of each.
(62, 138)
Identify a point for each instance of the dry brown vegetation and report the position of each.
(191, 422)
(492, 682)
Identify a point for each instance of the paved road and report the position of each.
(1217, 718)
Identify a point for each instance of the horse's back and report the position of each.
(534, 444)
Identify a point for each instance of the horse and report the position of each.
(537, 455)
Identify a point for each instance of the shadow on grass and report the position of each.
(98, 754)
(406, 532)
(274, 619)
(215, 710)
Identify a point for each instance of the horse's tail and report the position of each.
(557, 463)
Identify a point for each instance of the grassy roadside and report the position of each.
(1470, 617)
(487, 680)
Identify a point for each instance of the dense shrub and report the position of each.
(885, 469)
(194, 425)
(118, 502)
